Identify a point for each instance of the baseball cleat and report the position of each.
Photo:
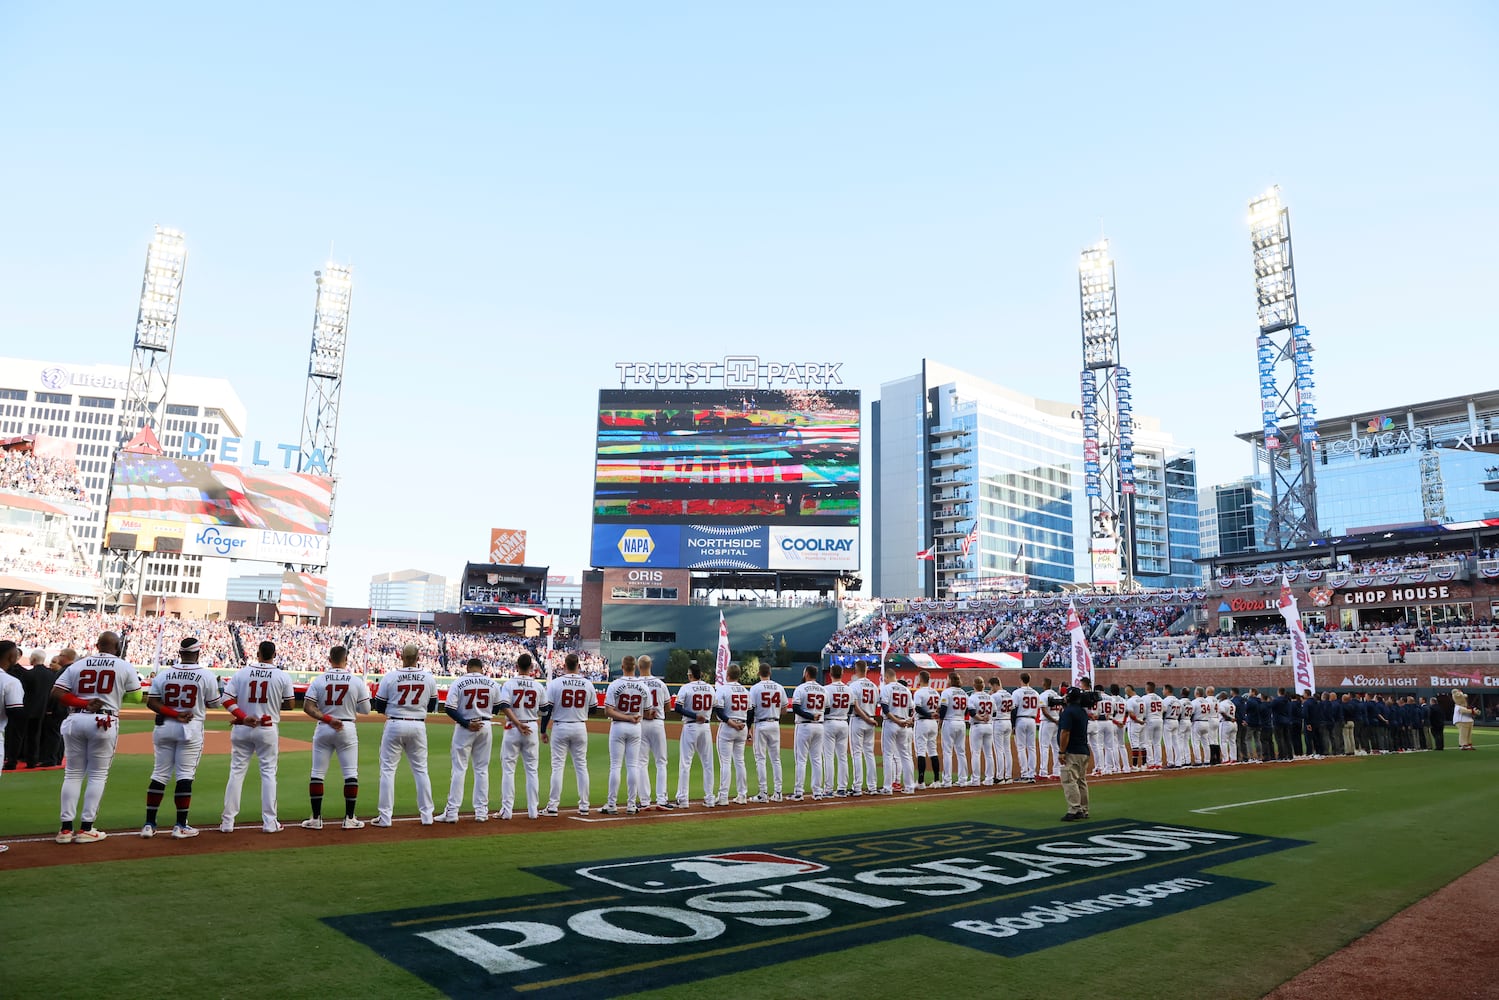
(353, 824)
(549, 811)
(65, 835)
(378, 821)
(709, 803)
(741, 799)
(582, 810)
(607, 810)
(817, 796)
(796, 796)
(447, 818)
(312, 824)
(273, 828)
(532, 814)
(184, 832)
(89, 836)
(669, 805)
(503, 814)
(226, 827)
(776, 797)
(4, 848)
(632, 810)
(685, 804)
(148, 831)
(762, 797)
(858, 792)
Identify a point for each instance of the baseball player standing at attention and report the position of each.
(767, 703)
(404, 697)
(1201, 722)
(695, 701)
(731, 704)
(808, 703)
(1171, 717)
(262, 691)
(625, 704)
(924, 704)
(522, 699)
(570, 697)
(1154, 708)
(895, 737)
(1049, 758)
(93, 687)
(653, 736)
(835, 735)
(952, 709)
(1119, 718)
(470, 703)
(981, 735)
(1228, 730)
(1098, 725)
(178, 695)
(12, 695)
(335, 698)
(1134, 727)
(1004, 730)
(864, 702)
(1027, 710)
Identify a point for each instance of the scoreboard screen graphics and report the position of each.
(768, 457)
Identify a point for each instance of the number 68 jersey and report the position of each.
(571, 695)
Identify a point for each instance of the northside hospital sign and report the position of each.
(735, 371)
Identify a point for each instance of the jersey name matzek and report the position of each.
(995, 889)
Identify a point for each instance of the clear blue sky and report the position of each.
(531, 192)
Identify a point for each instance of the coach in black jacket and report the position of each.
(1437, 720)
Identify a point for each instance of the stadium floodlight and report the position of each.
(161, 291)
(330, 322)
(1095, 275)
(1274, 275)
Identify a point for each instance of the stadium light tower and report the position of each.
(1287, 388)
(146, 390)
(325, 366)
(1108, 425)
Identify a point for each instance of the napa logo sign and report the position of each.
(616, 927)
(626, 545)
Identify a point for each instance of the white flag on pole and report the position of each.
(884, 643)
(1303, 674)
(1082, 659)
(721, 661)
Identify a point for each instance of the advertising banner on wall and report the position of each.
(814, 548)
(723, 546)
(507, 546)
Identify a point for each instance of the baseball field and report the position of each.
(1222, 882)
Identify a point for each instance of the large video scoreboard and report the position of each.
(727, 479)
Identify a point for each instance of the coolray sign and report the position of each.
(195, 445)
(1396, 595)
(727, 546)
(735, 371)
(814, 548)
(620, 926)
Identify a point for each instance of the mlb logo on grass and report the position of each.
(700, 871)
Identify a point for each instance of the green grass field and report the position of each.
(251, 923)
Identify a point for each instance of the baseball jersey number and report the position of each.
(334, 695)
(840, 700)
(769, 699)
(702, 703)
(180, 696)
(739, 702)
(814, 702)
(574, 698)
(630, 703)
(898, 699)
(1028, 702)
(409, 694)
(475, 697)
(91, 682)
(959, 703)
(526, 698)
(259, 691)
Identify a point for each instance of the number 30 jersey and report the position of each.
(188, 689)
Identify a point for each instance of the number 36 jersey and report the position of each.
(188, 689)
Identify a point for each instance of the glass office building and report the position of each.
(951, 451)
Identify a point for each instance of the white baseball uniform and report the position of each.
(1027, 710)
(1170, 730)
(1004, 727)
(767, 703)
(571, 697)
(1117, 719)
(895, 739)
(259, 689)
(12, 700)
(1154, 707)
(653, 739)
(696, 700)
(732, 701)
(343, 695)
(89, 738)
(953, 707)
(835, 739)
(812, 700)
(178, 743)
(981, 736)
(1201, 724)
(924, 737)
(407, 694)
(526, 696)
(866, 694)
(472, 698)
(628, 695)
(1228, 731)
(1049, 760)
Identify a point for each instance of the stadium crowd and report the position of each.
(41, 475)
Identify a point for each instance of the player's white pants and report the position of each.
(178, 748)
(768, 748)
(1118, 748)
(625, 755)
(1136, 733)
(895, 744)
(955, 750)
(1200, 731)
(569, 739)
(696, 742)
(925, 738)
(409, 737)
(834, 755)
(808, 749)
(262, 743)
(1098, 742)
(1025, 747)
(1228, 738)
(1183, 742)
(327, 741)
(1004, 750)
(731, 761)
(1049, 762)
(981, 751)
(477, 747)
(516, 745)
(653, 759)
(89, 742)
(861, 736)
(1153, 743)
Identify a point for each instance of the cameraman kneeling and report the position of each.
(1072, 740)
